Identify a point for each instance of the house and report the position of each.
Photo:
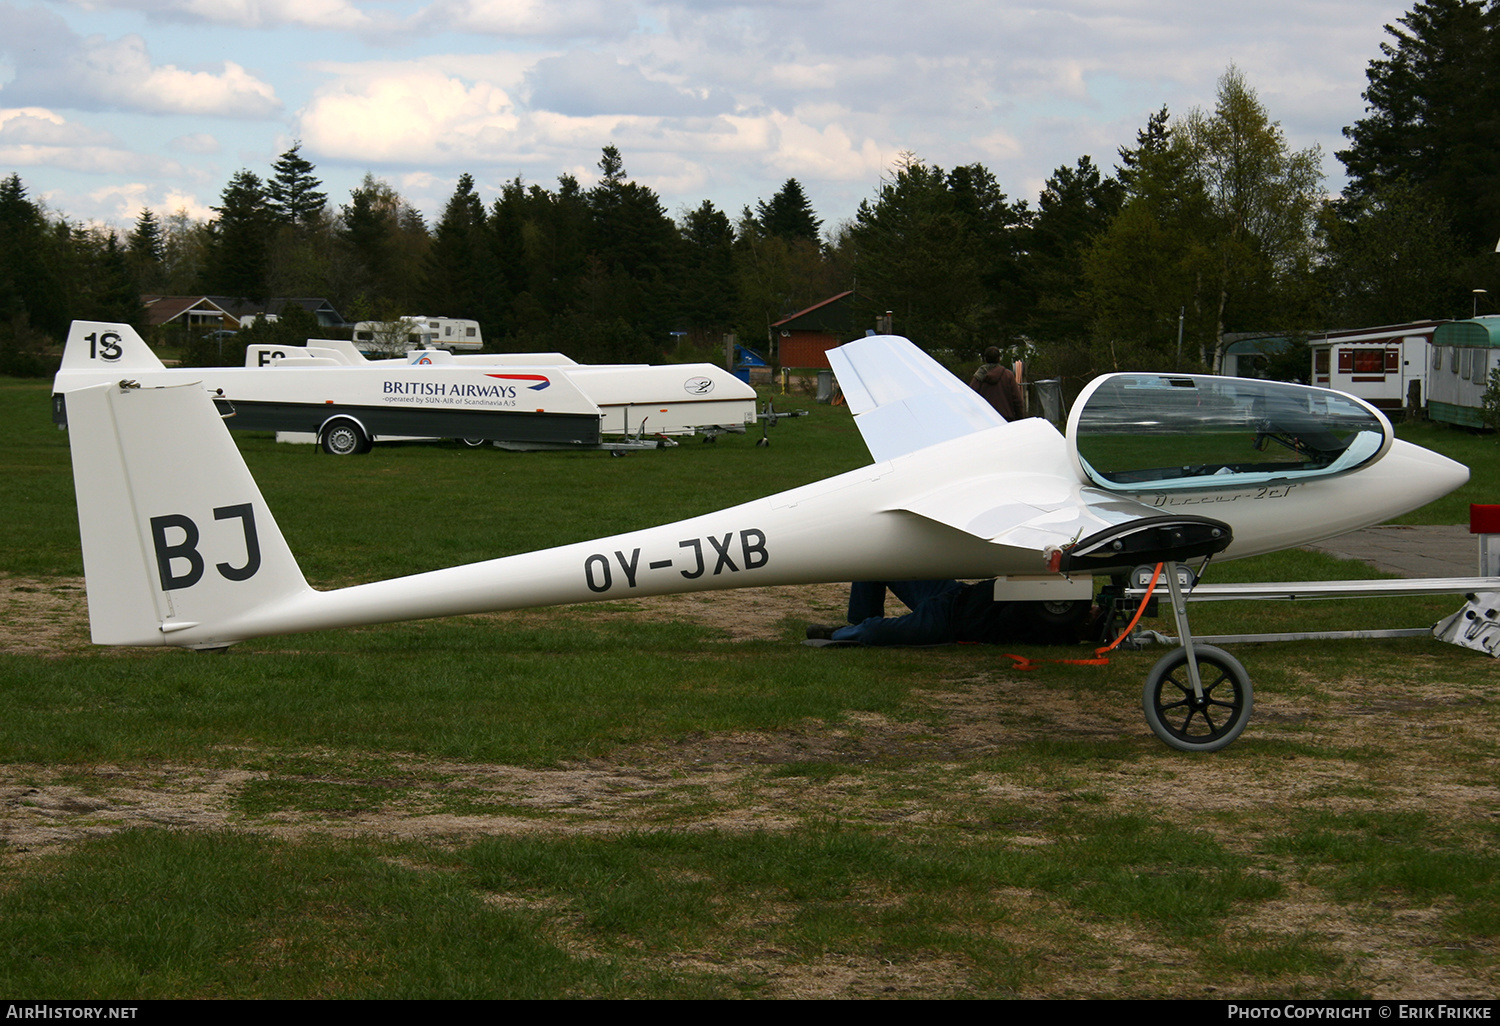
(804, 338)
(197, 314)
(204, 314)
(248, 311)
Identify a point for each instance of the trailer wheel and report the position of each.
(344, 437)
(1188, 723)
(475, 443)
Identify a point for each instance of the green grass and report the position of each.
(608, 802)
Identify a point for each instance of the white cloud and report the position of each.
(199, 144)
(568, 19)
(582, 83)
(37, 137)
(322, 14)
(723, 98)
(54, 67)
(829, 152)
(416, 115)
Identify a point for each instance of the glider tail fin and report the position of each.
(101, 345)
(179, 547)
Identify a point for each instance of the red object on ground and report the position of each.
(1484, 519)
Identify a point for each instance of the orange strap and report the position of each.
(1101, 657)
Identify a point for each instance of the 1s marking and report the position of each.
(104, 346)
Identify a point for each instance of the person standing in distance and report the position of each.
(998, 384)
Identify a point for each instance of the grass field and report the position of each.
(672, 798)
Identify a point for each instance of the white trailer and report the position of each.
(634, 399)
(328, 393)
(347, 408)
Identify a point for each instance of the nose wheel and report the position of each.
(1204, 719)
(1197, 698)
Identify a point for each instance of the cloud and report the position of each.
(199, 144)
(56, 68)
(581, 83)
(552, 19)
(37, 137)
(321, 14)
(122, 204)
(410, 115)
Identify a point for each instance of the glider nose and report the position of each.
(1421, 475)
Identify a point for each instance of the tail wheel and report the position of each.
(1189, 723)
(344, 438)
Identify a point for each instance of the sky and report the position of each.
(108, 106)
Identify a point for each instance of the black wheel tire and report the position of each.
(1175, 716)
(1065, 613)
(344, 438)
(1055, 622)
(475, 443)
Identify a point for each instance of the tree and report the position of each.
(146, 250)
(774, 276)
(460, 267)
(1433, 106)
(186, 248)
(291, 191)
(240, 241)
(1150, 141)
(1263, 200)
(708, 292)
(788, 214)
(941, 250)
(383, 241)
(1215, 233)
(1076, 205)
(31, 292)
(1390, 258)
(632, 246)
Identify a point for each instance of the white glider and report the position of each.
(180, 548)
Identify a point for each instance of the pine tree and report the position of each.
(788, 214)
(1076, 206)
(381, 246)
(941, 251)
(31, 292)
(1433, 117)
(291, 192)
(460, 269)
(1150, 142)
(239, 249)
(708, 277)
(632, 249)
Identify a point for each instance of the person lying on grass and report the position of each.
(944, 612)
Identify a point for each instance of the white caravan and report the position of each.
(419, 332)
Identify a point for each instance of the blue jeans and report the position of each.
(930, 621)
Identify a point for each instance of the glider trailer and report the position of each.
(1153, 469)
(330, 393)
